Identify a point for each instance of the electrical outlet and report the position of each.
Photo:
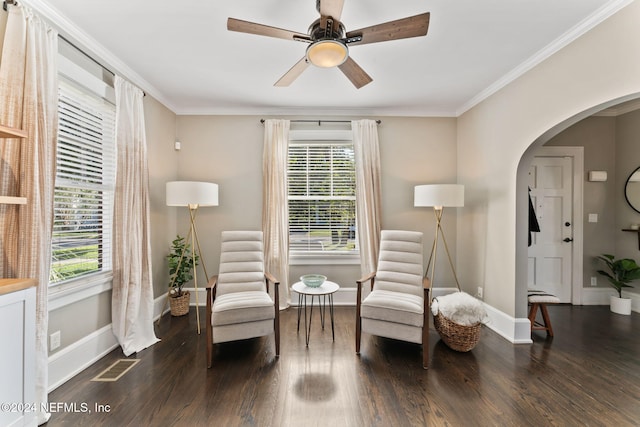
(594, 281)
(479, 291)
(54, 340)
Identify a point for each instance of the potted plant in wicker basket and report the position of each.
(181, 265)
(621, 272)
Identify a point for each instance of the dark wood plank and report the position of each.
(588, 374)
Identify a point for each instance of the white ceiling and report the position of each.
(182, 54)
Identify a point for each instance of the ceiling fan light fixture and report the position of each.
(327, 53)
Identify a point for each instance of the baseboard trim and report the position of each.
(600, 296)
(514, 330)
(596, 296)
(75, 358)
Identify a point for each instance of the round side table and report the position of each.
(326, 291)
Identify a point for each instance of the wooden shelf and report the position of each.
(7, 132)
(10, 200)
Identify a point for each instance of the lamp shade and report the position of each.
(185, 193)
(439, 195)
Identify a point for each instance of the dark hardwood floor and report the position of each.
(588, 374)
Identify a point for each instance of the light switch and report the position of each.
(593, 217)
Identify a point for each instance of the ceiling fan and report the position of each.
(329, 42)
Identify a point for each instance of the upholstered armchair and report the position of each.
(397, 306)
(238, 302)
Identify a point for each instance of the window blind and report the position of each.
(321, 180)
(85, 181)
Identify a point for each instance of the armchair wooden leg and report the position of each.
(425, 346)
(276, 319)
(208, 331)
(358, 319)
(425, 331)
(358, 334)
(276, 331)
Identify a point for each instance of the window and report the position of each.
(85, 181)
(322, 202)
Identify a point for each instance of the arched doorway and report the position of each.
(522, 205)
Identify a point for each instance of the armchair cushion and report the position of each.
(242, 307)
(394, 307)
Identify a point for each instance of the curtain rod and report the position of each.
(14, 2)
(86, 54)
(320, 121)
(92, 59)
(4, 6)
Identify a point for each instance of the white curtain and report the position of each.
(132, 298)
(368, 194)
(29, 100)
(275, 205)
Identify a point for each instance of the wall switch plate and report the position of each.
(593, 217)
(479, 292)
(54, 340)
(594, 281)
(177, 145)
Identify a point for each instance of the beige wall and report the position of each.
(160, 125)
(228, 150)
(597, 68)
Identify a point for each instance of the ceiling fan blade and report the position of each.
(293, 73)
(355, 73)
(332, 8)
(264, 30)
(413, 26)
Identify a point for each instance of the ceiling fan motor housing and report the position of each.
(332, 31)
(327, 49)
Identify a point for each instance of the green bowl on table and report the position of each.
(313, 280)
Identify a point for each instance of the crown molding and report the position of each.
(94, 49)
(578, 30)
(314, 111)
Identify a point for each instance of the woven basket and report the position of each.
(457, 337)
(180, 305)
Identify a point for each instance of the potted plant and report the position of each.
(621, 272)
(181, 265)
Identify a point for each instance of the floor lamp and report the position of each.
(193, 195)
(439, 196)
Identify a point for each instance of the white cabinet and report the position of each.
(17, 352)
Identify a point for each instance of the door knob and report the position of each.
(567, 239)
(567, 224)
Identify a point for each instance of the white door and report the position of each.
(550, 254)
